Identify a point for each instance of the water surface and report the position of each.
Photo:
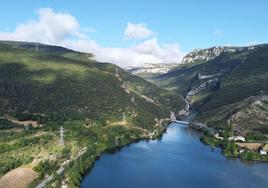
(178, 159)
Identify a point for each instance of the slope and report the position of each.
(222, 86)
(45, 87)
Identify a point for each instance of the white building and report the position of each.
(237, 138)
(263, 152)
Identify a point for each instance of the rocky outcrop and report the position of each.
(211, 53)
(152, 68)
(252, 116)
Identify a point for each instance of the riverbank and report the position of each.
(229, 148)
(233, 149)
(177, 158)
(75, 169)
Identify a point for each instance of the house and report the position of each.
(237, 138)
(263, 152)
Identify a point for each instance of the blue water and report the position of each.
(178, 159)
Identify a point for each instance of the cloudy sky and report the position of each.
(131, 33)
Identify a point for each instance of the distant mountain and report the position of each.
(199, 55)
(150, 69)
(227, 86)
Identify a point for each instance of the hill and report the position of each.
(44, 87)
(221, 85)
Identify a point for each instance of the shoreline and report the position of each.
(235, 153)
(119, 148)
(161, 125)
(115, 149)
(213, 141)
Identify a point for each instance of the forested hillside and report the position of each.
(44, 87)
(223, 88)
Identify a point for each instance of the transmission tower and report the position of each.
(133, 99)
(61, 136)
(36, 47)
(116, 72)
(124, 116)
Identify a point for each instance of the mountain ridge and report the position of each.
(213, 52)
(225, 80)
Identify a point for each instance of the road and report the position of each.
(60, 170)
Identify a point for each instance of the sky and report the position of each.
(131, 33)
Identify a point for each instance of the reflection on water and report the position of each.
(178, 159)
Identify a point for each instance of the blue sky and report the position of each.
(189, 23)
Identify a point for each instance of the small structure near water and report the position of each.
(262, 150)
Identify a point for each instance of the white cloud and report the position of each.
(63, 29)
(137, 31)
(50, 28)
(150, 51)
(218, 32)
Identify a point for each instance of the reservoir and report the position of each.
(177, 159)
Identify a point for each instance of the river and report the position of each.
(177, 159)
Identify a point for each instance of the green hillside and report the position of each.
(50, 86)
(220, 88)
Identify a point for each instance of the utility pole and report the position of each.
(116, 72)
(133, 99)
(36, 47)
(61, 136)
(124, 116)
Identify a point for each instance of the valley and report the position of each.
(227, 87)
(102, 106)
(99, 105)
(134, 94)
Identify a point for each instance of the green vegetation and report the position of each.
(236, 81)
(230, 149)
(46, 168)
(255, 136)
(55, 87)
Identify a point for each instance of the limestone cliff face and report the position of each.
(211, 53)
(152, 68)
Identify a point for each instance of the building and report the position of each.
(237, 138)
(263, 152)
